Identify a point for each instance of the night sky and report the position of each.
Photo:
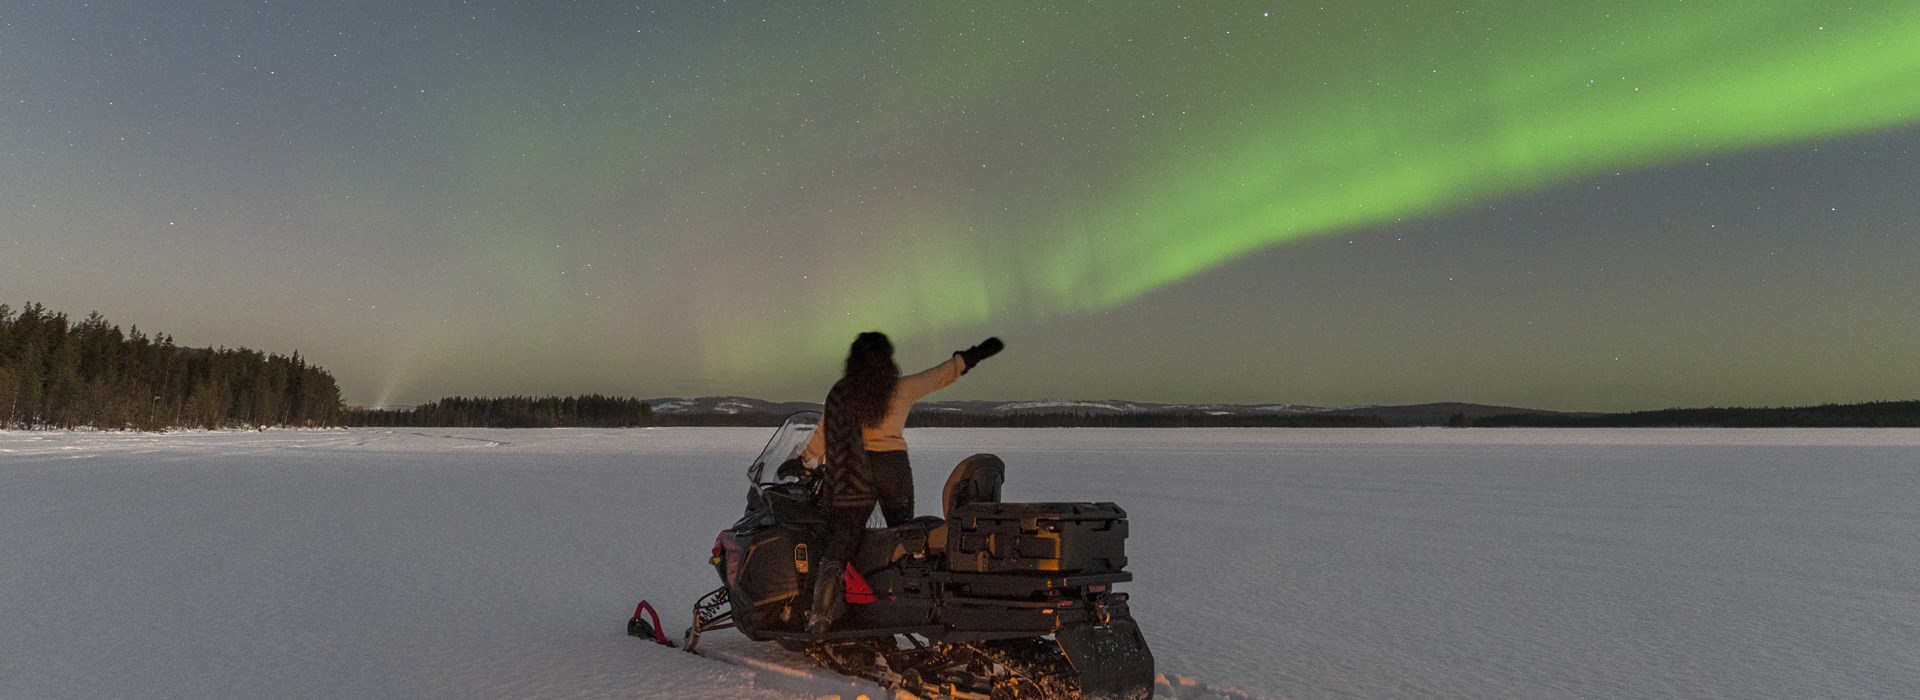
(1563, 205)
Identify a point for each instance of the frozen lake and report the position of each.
(1415, 563)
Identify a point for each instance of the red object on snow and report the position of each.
(858, 592)
(638, 627)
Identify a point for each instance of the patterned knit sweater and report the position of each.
(842, 445)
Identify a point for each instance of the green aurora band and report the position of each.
(1134, 147)
(1535, 106)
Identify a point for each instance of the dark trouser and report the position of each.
(893, 484)
(892, 477)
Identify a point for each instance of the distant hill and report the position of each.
(727, 406)
(1877, 414)
(1443, 413)
(1112, 406)
(743, 411)
(1104, 412)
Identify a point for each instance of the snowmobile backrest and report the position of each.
(976, 479)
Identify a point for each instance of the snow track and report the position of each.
(774, 668)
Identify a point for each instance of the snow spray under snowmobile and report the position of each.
(997, 600)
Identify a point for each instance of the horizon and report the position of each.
(1092, 402)
(1580, 208)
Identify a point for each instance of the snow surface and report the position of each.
(1402, 563)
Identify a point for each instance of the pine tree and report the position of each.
(62, 374)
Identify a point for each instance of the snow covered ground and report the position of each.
(1271, 563)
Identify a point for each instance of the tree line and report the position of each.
(60, 373)
(1878, 414)
(595, 411)
(1156, 419)
(589, 411)
(610, 412)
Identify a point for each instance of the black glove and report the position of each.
(791, 469)
(973, 355)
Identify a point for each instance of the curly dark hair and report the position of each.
(869, 378)
(859, 399)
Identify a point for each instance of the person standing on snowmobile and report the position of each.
(861, 443)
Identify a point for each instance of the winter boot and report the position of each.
(829, 599)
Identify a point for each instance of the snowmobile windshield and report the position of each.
(787, 443)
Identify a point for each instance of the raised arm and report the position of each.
(915, 386)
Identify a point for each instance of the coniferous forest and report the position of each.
(590, 411)
(1164, 419)
(595, 411)
(1876, 414)
(59, 373)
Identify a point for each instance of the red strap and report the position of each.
(658, 635)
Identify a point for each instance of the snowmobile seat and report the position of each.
(883, 547)
(976, 479)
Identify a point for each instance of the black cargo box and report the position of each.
(767, 586)
(1068, 538)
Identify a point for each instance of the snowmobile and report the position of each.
(996, 601)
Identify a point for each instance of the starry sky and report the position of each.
(1570, 205)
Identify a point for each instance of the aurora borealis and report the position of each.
(1588, 206)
